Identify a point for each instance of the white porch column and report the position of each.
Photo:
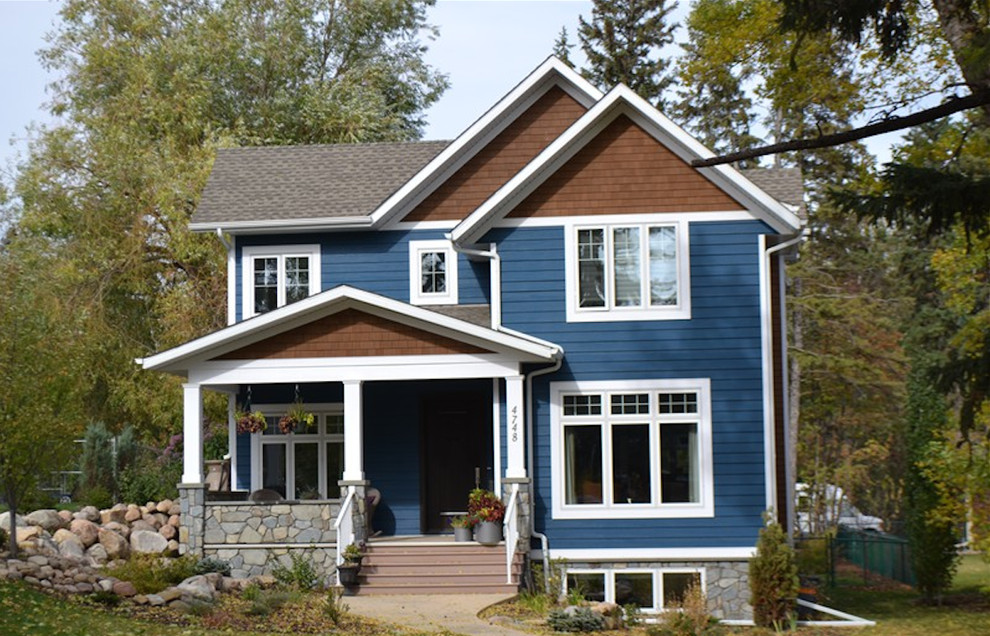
(515, 432)
(192, 434)
(353, 431)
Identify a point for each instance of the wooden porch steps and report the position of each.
(451, 568)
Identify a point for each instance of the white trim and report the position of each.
(192, 433)
(656, 554)
(680, 311)
(515, 428)
(552, 72)
(353, 431)
(416, 294)
(281, 252)
(346, 369)
(621, 100)
(232, 438)
(284, 226)
(766, 352)
(497, 434)
(706, 504)
(232, 280)
(178, 359)
(411, 226)
(658, 218)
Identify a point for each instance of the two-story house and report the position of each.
(554, 305)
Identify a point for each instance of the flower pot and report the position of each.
(463, 534)
(488, 533)
(347, 575)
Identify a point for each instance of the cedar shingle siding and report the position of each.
(351, 333)
(501, 159)
(623, 170)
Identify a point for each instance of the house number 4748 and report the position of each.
(514, 424)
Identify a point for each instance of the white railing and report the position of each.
(511, 532)
(344, 525)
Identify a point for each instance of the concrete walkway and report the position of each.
(456, 613)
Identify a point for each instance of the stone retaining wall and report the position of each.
(253, 537)
(726, 582)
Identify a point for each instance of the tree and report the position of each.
(773, 578)
(39, 417)
(148, 91)
(562, 47)
(623, 45)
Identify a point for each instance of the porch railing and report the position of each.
(344, 525)
(511, 532)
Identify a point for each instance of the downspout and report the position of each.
(231, 275)
(496, 310)
(789, 477)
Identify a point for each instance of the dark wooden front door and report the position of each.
(457, 450)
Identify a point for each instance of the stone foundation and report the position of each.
(192, 499)
(246, 561)
(726, 582)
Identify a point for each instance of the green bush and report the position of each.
(690, 617)
(581, 619)
(773, 578)
(212, 564)
(301, 575)
(150, 480)
(333, 607)
(265, 602)
(151, 574)
(97, 496)
(3, 538)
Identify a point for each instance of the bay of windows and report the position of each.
(649, 590)
(624, 450)
(634, 271)
(278, 275)
(306, 463)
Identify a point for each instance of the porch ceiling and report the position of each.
(347, 328)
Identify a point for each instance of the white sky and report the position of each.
(485, 46)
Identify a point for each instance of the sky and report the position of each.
(485, 46)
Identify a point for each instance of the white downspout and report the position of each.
(231, 276)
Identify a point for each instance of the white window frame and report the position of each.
(679, 311)
(280, 252)
(416, 294)
(321, 439)
(656, 573)
(704, 507)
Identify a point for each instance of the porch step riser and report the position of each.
(384, 590)
(451, 569)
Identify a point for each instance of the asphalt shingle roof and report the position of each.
(272, 183)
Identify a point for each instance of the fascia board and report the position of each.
(339, 299)
(551, 71)
(621, 100)
(284, 225)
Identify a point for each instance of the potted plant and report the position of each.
(487, 510)
(248, 422)
(463, 527)
(297, 417)
(347, 572)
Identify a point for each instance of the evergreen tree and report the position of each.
(562, 48)
(773, 578)
(623, 43)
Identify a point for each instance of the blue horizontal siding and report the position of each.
(721, 341)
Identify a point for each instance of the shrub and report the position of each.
(265, 602)
(150, 479)
(3, 538)
(575, 619)
(690, 617)
(773, 578)
(97, 496)
(212, 564)
(333, 607)
(105, 598)
(300, 575)
(151, 574)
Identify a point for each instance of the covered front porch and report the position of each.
(420, 406)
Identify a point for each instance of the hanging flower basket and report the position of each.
(251, 422)
(297, 417)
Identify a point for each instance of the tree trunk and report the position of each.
(969, 41)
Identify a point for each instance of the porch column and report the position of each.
(192, 434)
(353, 431)
(515, 433)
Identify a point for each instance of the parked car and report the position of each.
(836, 510)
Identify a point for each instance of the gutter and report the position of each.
(288, 225)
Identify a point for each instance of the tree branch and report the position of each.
(891, 124)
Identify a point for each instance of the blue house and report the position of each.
(555, 306)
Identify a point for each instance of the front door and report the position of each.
(457, 454)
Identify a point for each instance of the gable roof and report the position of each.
(334, 301)
(295, 186)
(621, 100)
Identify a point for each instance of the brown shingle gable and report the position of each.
(351, 333)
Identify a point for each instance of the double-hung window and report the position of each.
(306, 463)
(432, 273)
(279, 275)
(632, 449)
(627, 271)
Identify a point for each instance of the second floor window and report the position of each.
(276, 276)
(432, 273)
(634, 271)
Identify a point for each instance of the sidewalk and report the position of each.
(456, 613)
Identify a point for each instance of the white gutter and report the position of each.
(287, 225)
(231, 278)
(495, 275)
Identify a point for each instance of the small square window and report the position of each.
(676, 585)
(673, 403)
(582, 405)
(432, 273)
(591, 585)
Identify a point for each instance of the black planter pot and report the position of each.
(347, 574)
